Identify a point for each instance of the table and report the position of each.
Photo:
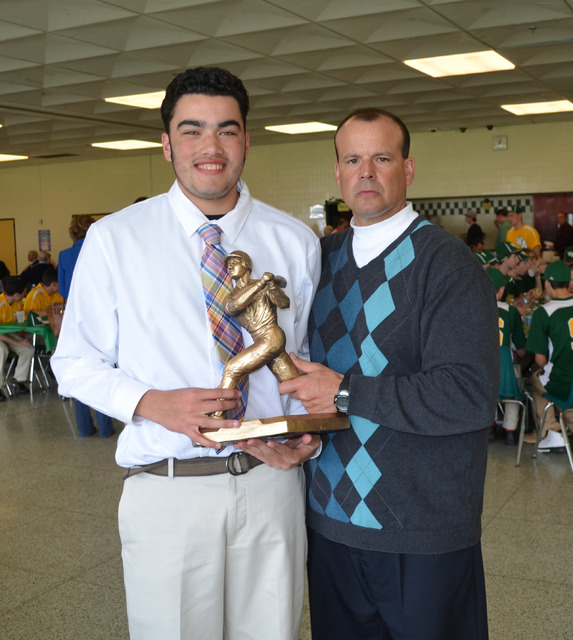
(44, 331)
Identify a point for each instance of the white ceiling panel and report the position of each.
(300, 60)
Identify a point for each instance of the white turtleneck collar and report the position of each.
(370, 241)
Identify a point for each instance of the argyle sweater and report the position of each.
(416, 331)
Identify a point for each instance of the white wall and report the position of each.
(292, 176)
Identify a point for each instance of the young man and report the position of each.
(475, 234)
(207, 553)
(10, 302)
(503, 225)
(523, 236)
(44, 294)
(550, 340)
(511, 335)
(404, 335)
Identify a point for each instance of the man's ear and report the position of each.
(166, 144)
(410, 167)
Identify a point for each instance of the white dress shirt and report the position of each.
(136, 318)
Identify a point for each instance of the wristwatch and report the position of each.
(341, 399)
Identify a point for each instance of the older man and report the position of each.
(404, 338)
(563, 235)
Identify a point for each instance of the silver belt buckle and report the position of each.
(233, 463)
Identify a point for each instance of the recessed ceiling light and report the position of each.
(141, 100)
(461, 64)
(302, 127)
(8, 158)
(126, 145)
(527, 109)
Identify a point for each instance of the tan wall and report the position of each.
(292, 176)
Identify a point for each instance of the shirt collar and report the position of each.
(191, 217)
(370, 241)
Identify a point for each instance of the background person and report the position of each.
(66, 265)
(475, 233)
(549, 339)
(503, 225)
(44, 294)
(563, 235)
(16, 343)
(522, 235)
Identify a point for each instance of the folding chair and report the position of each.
(43, 382)
(9, 370)
(510, 392)
(562, 405)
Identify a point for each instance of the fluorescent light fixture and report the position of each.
(126, 145)
(527, 109)
(461, 64)
(8, 158)
(141, 100)
(302, 127)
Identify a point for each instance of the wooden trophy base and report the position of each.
(280, 427)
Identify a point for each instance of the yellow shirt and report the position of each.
(39, 299)
(7, 309)
(525, 237)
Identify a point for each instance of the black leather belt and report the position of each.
(237, 464)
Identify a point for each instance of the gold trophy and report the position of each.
(254, 304)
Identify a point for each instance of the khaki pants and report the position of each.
(25, 353)
(214, 557)
(551, 421)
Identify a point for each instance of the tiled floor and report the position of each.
(60, 567)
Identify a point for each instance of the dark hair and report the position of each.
(371, 114)
(49, 276)
(14, 285)
(558, 285)
(207, 81)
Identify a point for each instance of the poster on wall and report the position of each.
(44, 240)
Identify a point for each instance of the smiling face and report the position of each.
(371, 173)
(208, 146)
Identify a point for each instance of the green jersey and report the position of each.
(511, 332)
(551, 335)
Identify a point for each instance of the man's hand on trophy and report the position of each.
(316, 389)
(282, 455)
(187, 411)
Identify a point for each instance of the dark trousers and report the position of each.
(86, 423)
(369, 595)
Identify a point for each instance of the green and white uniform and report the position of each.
(551, 334)
(510, 327)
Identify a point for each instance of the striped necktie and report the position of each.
(216, 287)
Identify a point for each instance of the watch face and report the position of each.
(341, 401)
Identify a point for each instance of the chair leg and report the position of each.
(541, 426)
(7, 377)
(566, 438)
(43, 371)
(524, 414)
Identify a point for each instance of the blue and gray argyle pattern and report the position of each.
(351, 314)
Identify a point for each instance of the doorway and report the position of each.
(545, 209)
(8, 244)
